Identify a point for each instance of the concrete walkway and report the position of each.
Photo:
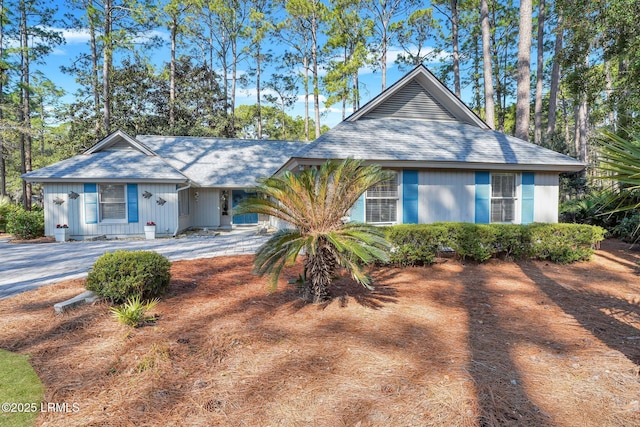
(27, 266)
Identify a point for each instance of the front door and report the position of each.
(238, 196)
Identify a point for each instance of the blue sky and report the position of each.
(76, 42)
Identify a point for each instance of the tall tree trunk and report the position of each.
(234, 82)
(489, 107)
(3, 70)
(95, 80)
(555, 79)
(172, 75)
(25, 136)
(314, 63)
(537, 133)
(581, 129)
(305, 65)
(258, 65)
(107, 65)
(611, 117)
(524, 71)
(455, 42)
(356, 92)
(383, 58)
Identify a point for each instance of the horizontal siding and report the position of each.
(446, 196)
(545, 207)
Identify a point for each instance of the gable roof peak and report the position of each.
(418, 95)
(120, 140)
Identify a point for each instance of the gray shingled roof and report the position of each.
(108, 165)
(392, 139)
(220, 162)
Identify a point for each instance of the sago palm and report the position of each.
(620, 162)
(314, 203)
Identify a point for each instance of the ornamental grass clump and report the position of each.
(120, 275)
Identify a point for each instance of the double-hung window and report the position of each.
(503, 197)
(113, 202)
(381, 202)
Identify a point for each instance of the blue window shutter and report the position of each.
(132, 202)
(409, 197)
(483, 197)
(357, 210)
(90, 204)
(528, 186)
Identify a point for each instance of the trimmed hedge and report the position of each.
(121, 275)
(560, 243)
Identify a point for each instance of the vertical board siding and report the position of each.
(446, 196)
(528, 193)
(205, 211)
(76, 212)
(483, 197)
(410, 200)
(69, 212)
(546, 195)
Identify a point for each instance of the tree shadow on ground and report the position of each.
(500, 393)
(598, 313)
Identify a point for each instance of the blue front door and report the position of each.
(238, 196)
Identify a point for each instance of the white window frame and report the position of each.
(101, 203)
(395, 197)
(501, 198)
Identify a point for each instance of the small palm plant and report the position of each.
(133, 311)
(314, 203)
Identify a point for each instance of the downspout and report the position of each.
(175, 233)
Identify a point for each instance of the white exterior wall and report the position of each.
(71, 212)
(545, 197)
(446, 195)
(205, 208)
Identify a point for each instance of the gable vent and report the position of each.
(120, 145)
(412, 102)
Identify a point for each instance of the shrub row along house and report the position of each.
(448, 164)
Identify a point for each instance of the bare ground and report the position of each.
(454, 344)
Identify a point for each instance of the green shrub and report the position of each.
(415, 244)
(6, 208)
(25, 224)
(627, 229)
(132, 312)
(560, 243)
(475, 241)
(120, 275)
(564, 243)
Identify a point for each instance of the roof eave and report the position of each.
(403, 164)
(109, 180)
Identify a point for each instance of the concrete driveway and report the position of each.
(27, 266)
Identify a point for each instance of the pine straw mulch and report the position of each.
(454, 344)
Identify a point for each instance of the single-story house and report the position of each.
(450, 166)
(120, 184)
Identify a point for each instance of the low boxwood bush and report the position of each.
(121, 275)
(25, 224)
(560, 243)
(564, 243)
(416, 244)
